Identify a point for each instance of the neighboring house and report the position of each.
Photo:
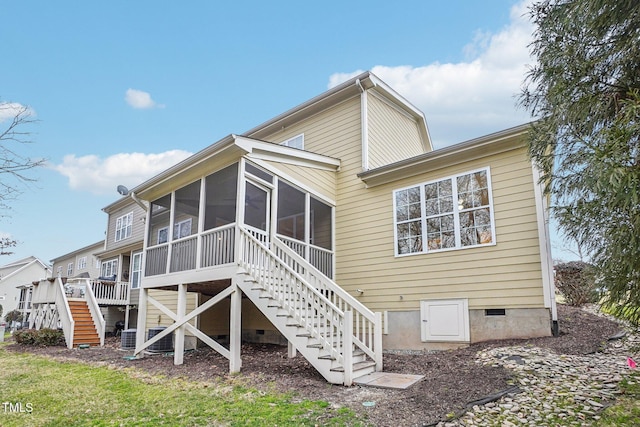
(81, 263)
(347, 209)
(15, 277)
(122, 260)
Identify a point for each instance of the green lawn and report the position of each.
(42, 392)
(626, 410)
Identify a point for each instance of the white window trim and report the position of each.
(70, 269)
(124, 227)
(456, 216)
(290, 140)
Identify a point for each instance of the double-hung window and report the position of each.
(82, 263)
(124, 225)
(450, 213)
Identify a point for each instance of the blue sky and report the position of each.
(122, 90)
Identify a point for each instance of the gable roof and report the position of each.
(494, 143)
(9, 270)
(337, 94)
(97, 245)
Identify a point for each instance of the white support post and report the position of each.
(142, 322)
(347, 347)
(126, 316)
(178, 350)
(291, 350)
(235, 330)
(377, 341)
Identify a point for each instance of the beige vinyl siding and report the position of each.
(393, 135)
(504, 275)
(74, 257)
(335, 132)
(321, 181)
(137, 226)
(169, 299)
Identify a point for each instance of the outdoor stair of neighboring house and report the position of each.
(85, 331)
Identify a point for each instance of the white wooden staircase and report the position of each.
(338, 335)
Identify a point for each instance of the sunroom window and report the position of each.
(187, 209)
(450, 213)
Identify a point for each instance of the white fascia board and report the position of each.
(280, 153)
(406, 105)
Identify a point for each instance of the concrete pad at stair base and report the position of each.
(388, 380)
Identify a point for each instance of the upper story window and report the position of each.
(295, 142)
(451, 213)
(59, 269)
(124, 225)
(82, 263)
(70, 269)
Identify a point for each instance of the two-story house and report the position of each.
(301, 226)
(336, 228)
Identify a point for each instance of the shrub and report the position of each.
(49, 337)
(26, 336)
(575, 280)
(44, 337)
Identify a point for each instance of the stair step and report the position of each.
(356, 366)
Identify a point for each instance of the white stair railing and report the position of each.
(331, 315)
(64, 312)
(367, 325)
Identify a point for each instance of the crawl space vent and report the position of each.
(128, 339)
(164, 344)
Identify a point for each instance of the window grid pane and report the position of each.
(455, 214)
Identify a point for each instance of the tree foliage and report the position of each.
(585, 92)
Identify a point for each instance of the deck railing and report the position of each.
(110, 293)
(217, 246)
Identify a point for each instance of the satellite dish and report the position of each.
(123, 190)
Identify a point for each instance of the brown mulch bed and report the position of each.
(452, 378)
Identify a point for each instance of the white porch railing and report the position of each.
(332, 316)
(216, 247)
(110, 293)
(320, 258)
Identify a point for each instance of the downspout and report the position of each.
(364, 126)
(138, 201)
(548, 279)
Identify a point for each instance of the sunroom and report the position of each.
(192, 231)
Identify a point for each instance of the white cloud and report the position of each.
(8, 110)
(468, 99)
(102, 176)
(140, 99)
